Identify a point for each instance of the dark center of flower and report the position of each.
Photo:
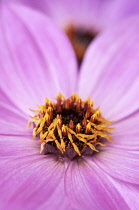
(80, 39)
(70, 127)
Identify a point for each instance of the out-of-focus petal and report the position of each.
(117, 10)
(110, 73)
(120, 164)
(88, 187)
(28, 179)
(96, 14)
(66, 12)
(36, 59)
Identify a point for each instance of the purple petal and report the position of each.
(110, 73)
(120, 164)
(17, 146)
(65, 13)
(88, 187)
(36, 60)
(126, 133)
(12, 120)
(101, 13)
(28, 179)
(129, 192)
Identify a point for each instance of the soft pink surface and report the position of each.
(34, 52)
(110, 73)
(93, 14)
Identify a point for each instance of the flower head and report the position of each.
(37, 61)
(83, 20)
(70, 127)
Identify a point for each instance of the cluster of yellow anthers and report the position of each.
(53, 126)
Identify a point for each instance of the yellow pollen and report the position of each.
(70, 123)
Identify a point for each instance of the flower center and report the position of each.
(80, 39)
(70, 127)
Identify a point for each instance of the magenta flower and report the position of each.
(37, 61)
(83, 20)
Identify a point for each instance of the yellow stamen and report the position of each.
(70, 123)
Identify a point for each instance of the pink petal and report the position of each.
(101, 13)
(29, 180)
(126, 133)
(88, 187)
(12, 120)
(110, 73)
(129, 192)
(17, 146)
(33, 62)
(65, 12)
(120, 164)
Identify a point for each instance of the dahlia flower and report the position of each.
(37, 62)
(83, 20)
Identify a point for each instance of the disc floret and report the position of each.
(70, 123)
